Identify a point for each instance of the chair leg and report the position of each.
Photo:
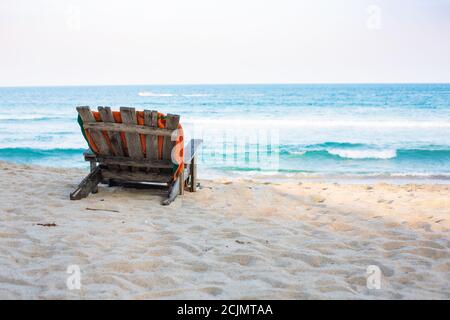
(193, 175)
(88, 185)
(174, 190)
(93, 166)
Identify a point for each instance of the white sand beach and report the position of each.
(236, 239)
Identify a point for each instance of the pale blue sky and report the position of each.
(50, 42)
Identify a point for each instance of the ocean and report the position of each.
(386, 130)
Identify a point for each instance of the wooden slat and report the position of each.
(157, 187)
(88, 185)
(137, 176)
(96, 135)
(133, 141)
(171, 124)
(114, 136)
(132, 128)
(151, 140)
(143, 163)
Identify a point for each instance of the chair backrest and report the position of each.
(137, 135)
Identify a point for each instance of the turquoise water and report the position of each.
(366, 130)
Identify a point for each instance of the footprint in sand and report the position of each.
(430, 253)
(213, 291)
(395, 245)
(191, 249)
(339, 226)
(431, 244)
(422, 225)
(443, 267)
(317, 198)
(242, 259)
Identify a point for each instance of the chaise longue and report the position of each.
(140, 147)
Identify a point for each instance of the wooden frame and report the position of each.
(118, 164)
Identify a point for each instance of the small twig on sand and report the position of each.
(47, 224)
(95, 209)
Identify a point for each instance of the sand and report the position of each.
(236, 239)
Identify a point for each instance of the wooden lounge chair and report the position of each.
(136, 147)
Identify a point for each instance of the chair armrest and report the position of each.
(191, 150)
(89, 155)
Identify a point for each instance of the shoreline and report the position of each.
(335, 178)
(257, 176)
(230, 240)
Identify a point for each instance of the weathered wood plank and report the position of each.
(88, 185)
(137, 176)
(95, 133)
(151, 140)
(133, 140)
(124, 161)
(172, 121)
(114, 136)
(159, 187)
(122, 127)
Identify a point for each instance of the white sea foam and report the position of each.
(364, 154)
(153, 94)
(298, 153)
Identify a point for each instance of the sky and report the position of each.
(99, 42)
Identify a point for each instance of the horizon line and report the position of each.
(225, 84)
